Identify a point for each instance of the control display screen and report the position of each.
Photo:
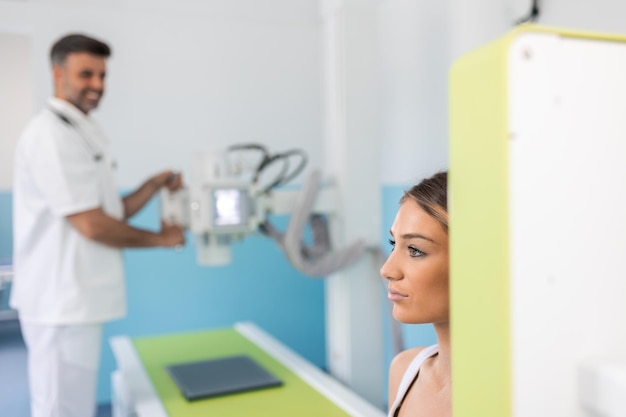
(229, 207)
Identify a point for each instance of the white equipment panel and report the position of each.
(568, 217)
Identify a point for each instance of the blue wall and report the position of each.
(168, 292)
(6, 225)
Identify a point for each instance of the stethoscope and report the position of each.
(96, 153)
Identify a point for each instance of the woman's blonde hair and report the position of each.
(432, 196)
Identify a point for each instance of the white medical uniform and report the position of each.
(65, 286)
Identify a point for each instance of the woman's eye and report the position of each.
(392, 243)
(415, 253)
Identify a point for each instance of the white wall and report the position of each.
(15, 97)
(597, 16)
(187, 74)
(420, 40)
(414, 38)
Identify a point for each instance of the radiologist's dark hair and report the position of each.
(75, 43)
(432, 196)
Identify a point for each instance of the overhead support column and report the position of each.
(354, 299)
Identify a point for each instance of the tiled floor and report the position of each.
(14, 399)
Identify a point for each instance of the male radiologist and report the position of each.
(69, 229)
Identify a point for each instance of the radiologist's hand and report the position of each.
(133, 202)
(171, 235)
(173, 180)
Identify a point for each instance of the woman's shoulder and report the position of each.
(399, 366)
(402, 360)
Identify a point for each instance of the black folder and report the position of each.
(209, 378)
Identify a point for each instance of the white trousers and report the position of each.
(62, 368)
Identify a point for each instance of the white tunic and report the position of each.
(63, 166)
(410, 375)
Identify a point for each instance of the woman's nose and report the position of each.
(388, 271)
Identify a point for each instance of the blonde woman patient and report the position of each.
(417, 276)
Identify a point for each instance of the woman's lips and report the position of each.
(395, 295)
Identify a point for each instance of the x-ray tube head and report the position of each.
(222, 206)
(230, 208)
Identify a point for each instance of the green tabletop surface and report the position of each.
(294, 398)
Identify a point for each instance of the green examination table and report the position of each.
(141, 386)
